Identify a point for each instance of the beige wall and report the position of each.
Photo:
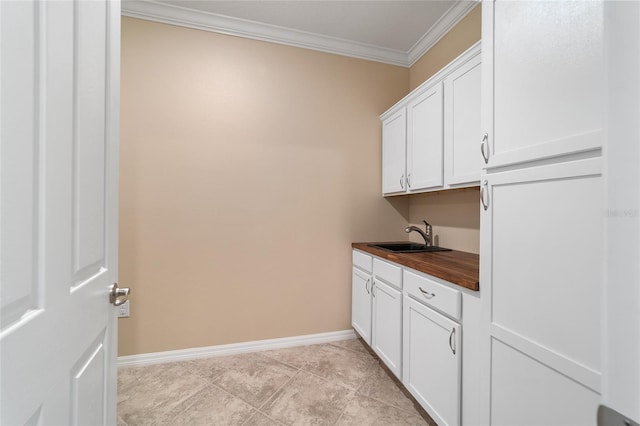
(247, 169)
(455, 216)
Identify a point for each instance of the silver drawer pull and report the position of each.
(485, 140)
(427, 294)
(483, 188)
(451, 345)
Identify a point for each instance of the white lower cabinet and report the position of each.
(376, 307)
(432, 352)
(412, 322)
(432, 360)
(361, 303)
(361, 284)
(387, 325)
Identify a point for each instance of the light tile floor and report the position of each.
(341, 383)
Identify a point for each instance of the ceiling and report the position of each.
(396, 31)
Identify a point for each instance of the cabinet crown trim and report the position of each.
(464, 57)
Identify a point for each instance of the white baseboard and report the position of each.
(234, 348)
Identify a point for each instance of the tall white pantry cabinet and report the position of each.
(542, 204)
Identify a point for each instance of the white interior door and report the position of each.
(59, 153)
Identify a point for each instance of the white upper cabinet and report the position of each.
(462, 127)
(394, 131)
(431, 138)
(424, 140)
(543, 80)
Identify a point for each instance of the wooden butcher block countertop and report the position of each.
(457, 267)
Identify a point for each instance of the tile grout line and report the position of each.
(349, 349)
(277, 360)
(256, 411)
(355, 391)
(335, 381)
(259, 409)
(379, 400)
(276, 392)
(201, 390)
(211, 382)
(243, 399)
(371, 367)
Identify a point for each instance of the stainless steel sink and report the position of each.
(408, 247)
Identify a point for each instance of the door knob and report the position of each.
(118, 295)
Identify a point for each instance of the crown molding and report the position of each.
(201, 20)
(449, 20)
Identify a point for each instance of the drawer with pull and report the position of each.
(388, 272)
(362, 261)
(428, 291)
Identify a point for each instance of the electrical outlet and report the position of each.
(123, 310)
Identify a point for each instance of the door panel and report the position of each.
(387, 326)
(89, 139)
(544, 73)
(462, 124)
(425, 140)
(361, 304)
(394, 131)
(527, 392)
(21, 239)
(432, 372)
(59, 118)
(547, 259)
(88, 385)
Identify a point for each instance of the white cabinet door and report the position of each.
(432, 360)
(521, 385)
(621, 301)
(361, 304)
(462, 124)
(394, 130)
(387, 326)
(543, 79)
(541, 271)
(424, 140)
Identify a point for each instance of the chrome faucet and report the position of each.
(426, 235)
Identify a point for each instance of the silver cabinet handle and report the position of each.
(427, 294)
(402, 181)
(483, 190)
(366, 285)
(485, 140)
(451, 341)
(373, 288)
(409, 180)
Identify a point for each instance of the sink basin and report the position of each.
(408, 247)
